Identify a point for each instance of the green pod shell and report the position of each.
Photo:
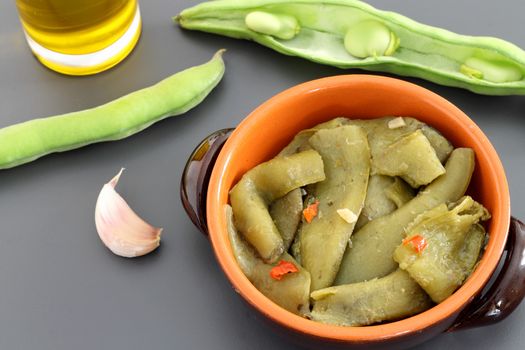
(399, 192)
(291, 293)
(412, 158)
(346, 157)
(453, 241)
(360, 304)
(380, 136)
(259, 187)
(483, 65)
(377, 202)
(286, 214)
(373, 245)
(118, 119)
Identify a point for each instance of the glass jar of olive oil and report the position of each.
(80, 37)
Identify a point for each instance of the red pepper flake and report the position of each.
(311, 211)
(418, 243)
(283, 267)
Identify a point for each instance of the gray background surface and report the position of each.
(61, 289)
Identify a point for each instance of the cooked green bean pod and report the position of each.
(471, 251)
(295, 249)
(442, 247)
(377, 203)
(346, 158)
(260, 186)
(381, 135)
(298, 144)
(286, 211)
(412, 158)
(286, 214)
(384, 195)
(399, 192)
(359, 304)
(441, 145)
(300, 141)
(25, 142)
(353, 34)
(373, 245)
(291, 293)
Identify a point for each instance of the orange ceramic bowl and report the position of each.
(262, 134)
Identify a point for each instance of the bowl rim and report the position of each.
(443, 311)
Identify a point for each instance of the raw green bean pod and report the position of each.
(25, 142)
(353, 34)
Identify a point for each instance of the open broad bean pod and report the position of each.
(353, 34)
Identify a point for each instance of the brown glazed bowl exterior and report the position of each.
(272, 125)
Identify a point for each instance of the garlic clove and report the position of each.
(347, 215)
(119, 227)
(395, 123)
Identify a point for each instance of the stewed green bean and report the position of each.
(353, 34)
(411, 158)
(252, 195)
(291, 293)
(359, 304)
(384, 195)
(452, 240)
(286, 213)
(373, 245)
(25, 142)
(346, 157)
(411, 247)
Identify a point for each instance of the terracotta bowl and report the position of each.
(261, 135)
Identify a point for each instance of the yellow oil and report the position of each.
(78, 27)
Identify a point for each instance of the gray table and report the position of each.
(61, 289)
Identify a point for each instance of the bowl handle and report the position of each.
(507, 291)
(196, 176)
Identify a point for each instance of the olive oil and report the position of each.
(80, 36)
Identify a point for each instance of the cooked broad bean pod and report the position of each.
(381, 135)
(384, 195)
(295, 248)
(291, 292)
(25, 142)
(441, 145)
(399, 192)
(300, 141)
(359, 304)
(472, 249)
(377, 202)
(260, 186)
(353, 34)
(373, 245)
(346, 158)
(442, 247)
(412, 158)
(286, 213)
